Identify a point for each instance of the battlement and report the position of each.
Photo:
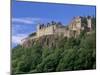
(43, 26)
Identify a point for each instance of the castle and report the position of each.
(77, 25)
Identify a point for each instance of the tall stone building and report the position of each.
(79, 24)
(89, 22)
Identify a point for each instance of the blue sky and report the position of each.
(26, 15)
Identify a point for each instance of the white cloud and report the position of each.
(16, 39)
(26, 20)
(32, 20)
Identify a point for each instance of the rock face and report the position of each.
(47, 34)
(45, 41)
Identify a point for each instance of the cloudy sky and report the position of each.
(26, 16)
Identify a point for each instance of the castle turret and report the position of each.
(78, 22)
(38, 28)
(89, 22)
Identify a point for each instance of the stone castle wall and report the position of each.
(52, 30)
(73, 29)
(45, 31)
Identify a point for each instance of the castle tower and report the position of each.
(78, 22)
(38, 28)
(89, 22)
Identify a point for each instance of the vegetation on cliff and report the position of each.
(56, 54)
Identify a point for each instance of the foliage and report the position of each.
(68, 54)
(32, 34)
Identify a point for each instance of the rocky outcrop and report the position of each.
(46, 41)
